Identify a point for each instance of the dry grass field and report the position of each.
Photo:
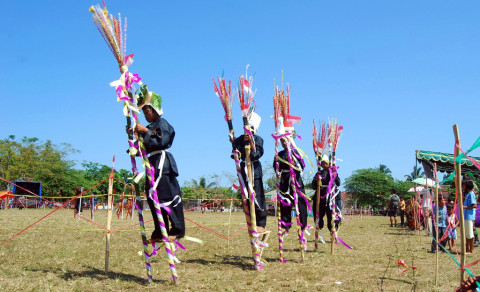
(64, 254)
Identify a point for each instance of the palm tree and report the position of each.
(384, 169)
(416, 173)
(202, 183)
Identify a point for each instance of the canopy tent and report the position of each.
(420, 190)
(444, 161)
(6, 195)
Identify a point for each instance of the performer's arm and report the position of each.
(256, 153)
(161, 136)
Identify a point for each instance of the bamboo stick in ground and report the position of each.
(458, 190)
(109, 218)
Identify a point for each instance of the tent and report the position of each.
(6, 195)
(444, 162)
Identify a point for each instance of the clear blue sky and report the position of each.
(396, 74)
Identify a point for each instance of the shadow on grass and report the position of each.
(399, 233)
(245, 263)
(397, 280)
(94, 273)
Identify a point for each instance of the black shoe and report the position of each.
(156, 235)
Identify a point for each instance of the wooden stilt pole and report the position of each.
(458, 190)
(109, 217)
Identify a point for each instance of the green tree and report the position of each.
(369, 187)
(416, 173)
(384, 169)
(402, 187)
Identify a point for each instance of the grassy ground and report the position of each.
(63, 254)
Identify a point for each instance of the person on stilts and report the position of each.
(286, 189)
(157, 138)
(325, 206)
(255, 154)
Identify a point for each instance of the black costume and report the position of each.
(157, 140)
(286, 190)
(255, 154)
(324, 207)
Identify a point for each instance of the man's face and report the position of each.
(148, 113)
(325, 165)
(441, 203)
(284, 143)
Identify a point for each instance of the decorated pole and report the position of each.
(223, 92)
(319, 147)
(284, 130)
(277, 120)
(458, 190)
(115, 36)
(245, 90)
(109, 217)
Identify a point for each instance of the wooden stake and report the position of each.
(458, 188)
(109, 217)
(229, 220)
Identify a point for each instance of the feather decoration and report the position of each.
(112, 32)
(224, 92)
(245, 93)
(338, 134)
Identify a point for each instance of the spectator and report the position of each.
(470, 206)
(393, 205)
(442, 224)
(452, 223)
(402, 211)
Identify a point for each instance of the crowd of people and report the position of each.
(421, 212)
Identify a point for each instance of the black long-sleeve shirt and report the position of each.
(160, 136)
(285, 178)
(255, 154)
(325, 175)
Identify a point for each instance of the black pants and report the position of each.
(324, 209)
(167, 190)
(261, 208)
(441, 231)
(402, 217)
(286, 213)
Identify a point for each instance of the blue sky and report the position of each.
(396, 74)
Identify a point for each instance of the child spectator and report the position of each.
(470, 206)
(452, 223)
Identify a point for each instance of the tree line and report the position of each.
(48, 163)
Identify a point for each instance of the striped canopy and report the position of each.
(444, 161)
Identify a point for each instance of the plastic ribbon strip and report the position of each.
(251, 232)
(124, 87)
(280, 201)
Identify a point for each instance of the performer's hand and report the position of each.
(276, 158)
(129, 130)
(139, 128)
(231, 138)
(467, 285)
